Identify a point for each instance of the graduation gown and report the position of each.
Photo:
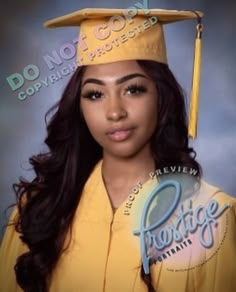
(105, 256)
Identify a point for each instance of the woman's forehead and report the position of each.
(113, 71)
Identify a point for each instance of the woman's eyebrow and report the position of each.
(118, 81)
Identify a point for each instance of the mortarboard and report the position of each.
(111, 35)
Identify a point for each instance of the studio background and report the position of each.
(25, 42)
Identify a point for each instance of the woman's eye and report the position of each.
(135, 89)
(93, 95)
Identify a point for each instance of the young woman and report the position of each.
(116, 123)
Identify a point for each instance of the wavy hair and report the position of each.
(47, 204)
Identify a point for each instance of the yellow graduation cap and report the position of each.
(111, 35)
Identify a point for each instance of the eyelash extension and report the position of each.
(134, 88)
(90, 94)
(137, 89)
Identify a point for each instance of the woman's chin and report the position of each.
(124, 151)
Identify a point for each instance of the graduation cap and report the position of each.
(111, 35)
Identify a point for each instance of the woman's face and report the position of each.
(119, 105)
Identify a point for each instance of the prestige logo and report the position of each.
(186, 223)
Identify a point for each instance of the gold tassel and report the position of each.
(194, 101)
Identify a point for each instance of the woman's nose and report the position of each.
(115, 109)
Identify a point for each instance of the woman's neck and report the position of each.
(120, 175)
(127, 170)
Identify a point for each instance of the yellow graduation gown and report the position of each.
(104, 255)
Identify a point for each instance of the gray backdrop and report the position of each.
(26, 46)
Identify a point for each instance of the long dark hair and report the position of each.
(47, 205)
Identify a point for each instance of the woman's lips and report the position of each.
(120, 135)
